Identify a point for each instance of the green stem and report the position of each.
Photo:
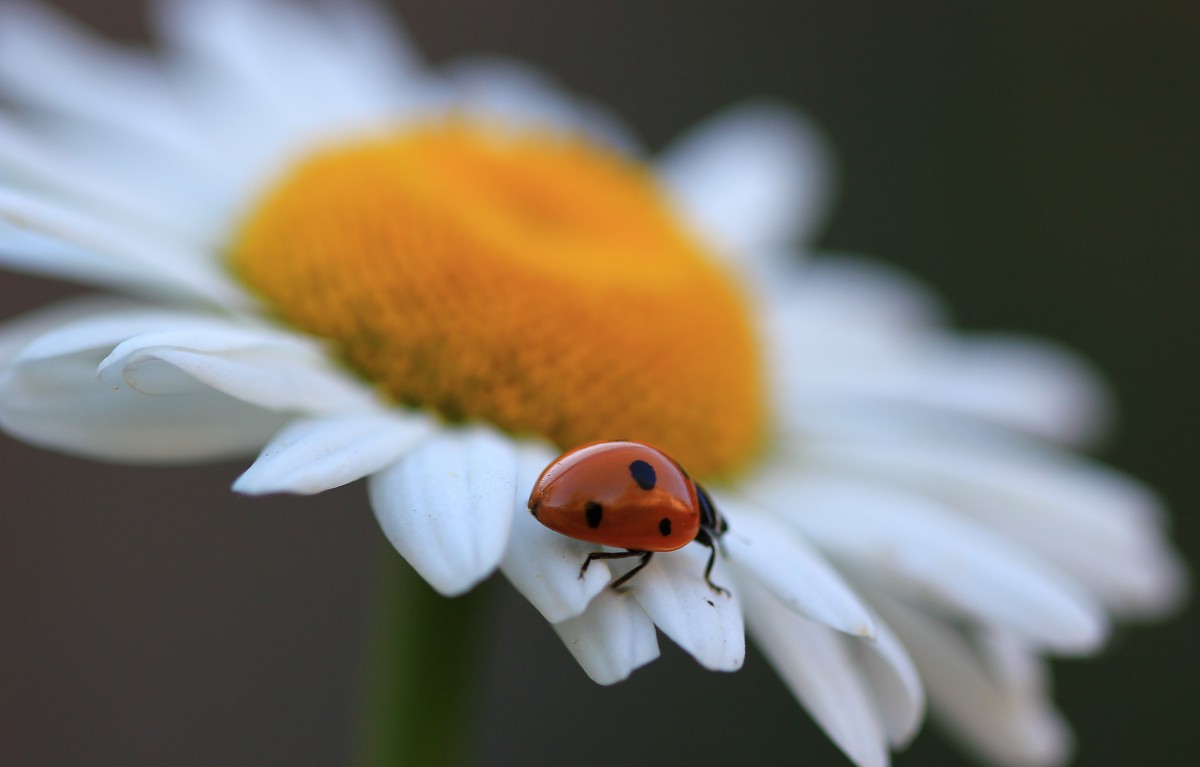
(417, 690)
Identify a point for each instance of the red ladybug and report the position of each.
(627, 495)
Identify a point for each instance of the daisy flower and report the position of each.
(353, 266)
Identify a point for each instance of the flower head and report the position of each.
(353, 266)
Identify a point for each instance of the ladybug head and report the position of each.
(710, 519)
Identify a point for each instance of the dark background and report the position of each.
(1035, 162)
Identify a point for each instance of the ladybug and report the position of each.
(628, 495)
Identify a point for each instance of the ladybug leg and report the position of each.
(704, 539)
(613, 555)
(616, 586)
(712, 558)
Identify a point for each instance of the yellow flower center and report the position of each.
(541, 284)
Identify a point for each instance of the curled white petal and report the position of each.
(611, 638)
(312, 455)
(80, 315)
(448, 506)
(50, 395)
(271, 369)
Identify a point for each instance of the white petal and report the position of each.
(828, 351)
(19, 332)
(50, 395)
(840, 290)
(542, 564)
(105, 124)
(852, 329)
(37, 253)
(121, 176)
(236, 57)
(791, 570)
(43, 237)
(817, 666)
(82, 331)
(673, 592)
(991, 693)
(753, 177)
(47, 62)
(448, 506)
(1100, 527)
(914, 545)
(317, 68)
(312, 455)
(298, 72)
(611, 638)
(374, 43)
(271, 369)
(895, 683)
(1035, 386)
(515, 95)
(1132, 569)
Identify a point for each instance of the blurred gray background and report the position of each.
(1035, 162)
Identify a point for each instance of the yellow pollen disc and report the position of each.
(540, 284)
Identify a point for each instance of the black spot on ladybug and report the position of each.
(664, 527)
(533, 508)
(594, 512)
(643, 474)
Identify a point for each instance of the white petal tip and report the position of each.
(1160, 589)
(254, 481)
(244, 487)
(866, 631)
(249, 483)
(448, 507)
(1088, 641)
(611, 639)
(457, 588)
